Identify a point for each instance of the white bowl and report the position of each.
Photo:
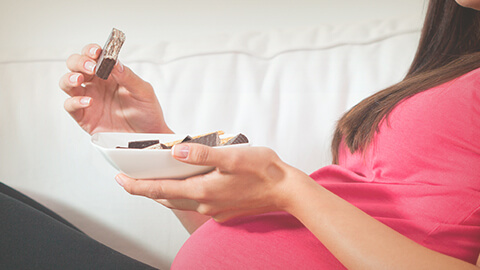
(147, 163)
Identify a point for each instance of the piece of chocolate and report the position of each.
(109, 54)
(240, 138)
(186, 139)
(170, 145)
(142, 144)
(161, 146)
(211, 139)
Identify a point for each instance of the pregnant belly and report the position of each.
(268, 241)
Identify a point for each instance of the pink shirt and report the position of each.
(420, 176)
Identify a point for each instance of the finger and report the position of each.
(92, 50)
(81, 63)
(125, 77)
(75, 105)
(158, 188)
(199, 154)
(70, 81)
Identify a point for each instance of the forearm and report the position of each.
(190, 220)
(356, 239)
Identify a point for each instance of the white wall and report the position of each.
(61, 22)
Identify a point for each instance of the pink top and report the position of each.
(420, 176)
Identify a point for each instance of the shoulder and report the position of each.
(461, 94)
(469, 82)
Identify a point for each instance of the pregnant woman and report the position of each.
(402, 192)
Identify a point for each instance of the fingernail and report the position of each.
(180, 151)
(74, 78)
(89, 66)
(120, 67)
(93, 51)
(85, 100)
(119, 180)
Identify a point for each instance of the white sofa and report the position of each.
(282, 88)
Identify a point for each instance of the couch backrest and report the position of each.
(284, 89)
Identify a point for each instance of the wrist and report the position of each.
(293, 187)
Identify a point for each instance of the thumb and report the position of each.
(198, 154)
(127, 78)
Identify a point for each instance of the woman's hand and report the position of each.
(246, 181)
(254, 180)
(123, 103)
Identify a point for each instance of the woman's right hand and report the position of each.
(123, 103)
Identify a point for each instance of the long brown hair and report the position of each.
(449, 47)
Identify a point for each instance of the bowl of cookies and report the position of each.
(148, 155)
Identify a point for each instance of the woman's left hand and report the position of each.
(245, 181)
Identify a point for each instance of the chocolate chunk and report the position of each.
(211, 139)
(163, 146)
(109, 54)
(186, 139)
(142, 144)
(240, 138)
